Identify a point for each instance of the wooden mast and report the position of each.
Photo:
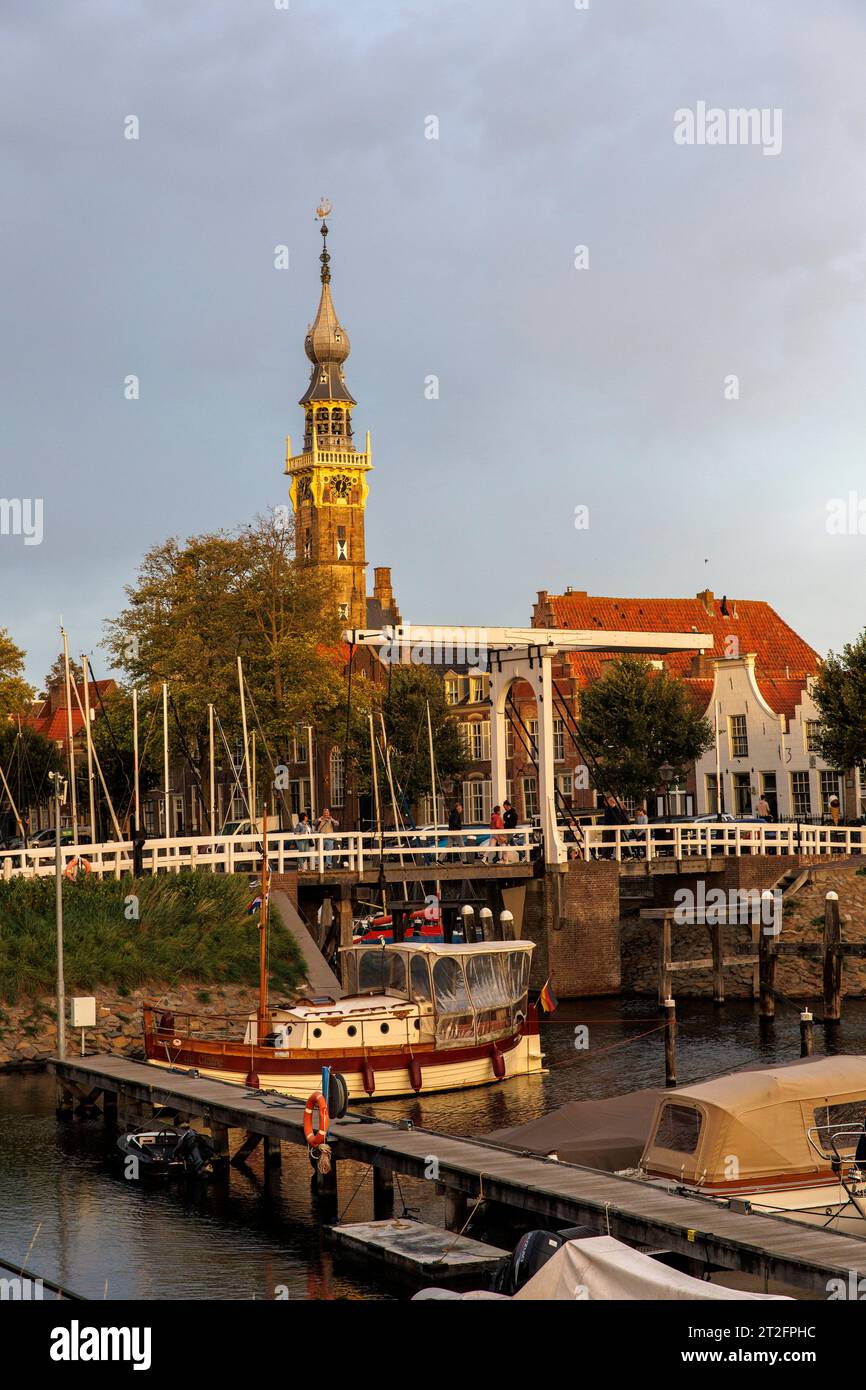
(263, 938)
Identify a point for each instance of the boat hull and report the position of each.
(442, 1070)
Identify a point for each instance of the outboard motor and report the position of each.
(532, 1252)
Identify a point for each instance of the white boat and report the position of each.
(417, 1017)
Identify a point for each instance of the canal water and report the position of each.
(69, 1214)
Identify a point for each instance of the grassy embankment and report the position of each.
(190, 927)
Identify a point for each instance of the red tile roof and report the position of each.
(52, 723)
(783, 659)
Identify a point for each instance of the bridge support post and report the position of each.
(805, 1033)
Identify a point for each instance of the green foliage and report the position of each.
(196, 606)
(634, 719)
(14, 690)
(192, 926)
(840, 695)
(27, 758)
(410, 690)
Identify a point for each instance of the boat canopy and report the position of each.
(759, 1124)
(478, 992)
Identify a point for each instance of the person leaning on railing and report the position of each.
(326, 825)
(303, 828)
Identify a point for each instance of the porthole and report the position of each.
(317, 1032)
(418, 1023)
(351, 1030)
(383, 1027)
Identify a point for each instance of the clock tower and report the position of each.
(328, 478)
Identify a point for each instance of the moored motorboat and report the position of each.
(786, 1140)
(166, 1151)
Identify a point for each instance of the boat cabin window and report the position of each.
(380, 970)
(449, 986)
(679, 1129)
(455, 1017)
(489, 980)
(419, 977)
(844, 1121)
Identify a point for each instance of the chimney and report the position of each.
(708, 599)
(543, 615)
(384, 594)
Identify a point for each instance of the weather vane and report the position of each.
(324, 209)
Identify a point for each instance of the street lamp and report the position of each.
(667, 775)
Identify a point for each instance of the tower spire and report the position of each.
(323, 211)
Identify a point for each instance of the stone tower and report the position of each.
(329, 487)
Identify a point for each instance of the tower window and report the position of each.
(343, 611)
(342, 544)
(308, 544)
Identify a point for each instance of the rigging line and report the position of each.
(231, 758)
(117, 752)
(192, 766)
(280, 790)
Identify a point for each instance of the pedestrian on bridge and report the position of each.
(303, 829)
(326, 825)
(455, 822)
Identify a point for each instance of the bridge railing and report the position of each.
(350, 850)
(682, 839)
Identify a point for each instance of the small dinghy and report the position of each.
(166, 1152)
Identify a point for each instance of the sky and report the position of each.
(693, 378)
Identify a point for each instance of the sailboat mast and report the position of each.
(69, 738)
(263, 938)
(251, 810)
(89, 739)
(135, 782)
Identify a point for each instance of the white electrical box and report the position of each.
(83, 1012)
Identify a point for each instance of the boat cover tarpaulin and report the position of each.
(761, 1116)
(608, 1134)
(602, 1268)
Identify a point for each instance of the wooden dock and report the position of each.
(769, 1247)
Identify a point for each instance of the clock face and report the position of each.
(305, 491)
(341, 486)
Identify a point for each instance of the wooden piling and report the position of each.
(805, 1033)
(832, 959)
(664, 960)
(718, 949)
(455, 1209)
(767, 971)
(670, 1042)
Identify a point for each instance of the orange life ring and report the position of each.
(79, 862)
(317, 1136)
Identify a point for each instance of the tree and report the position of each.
(633, 719)
(114, 744)
(839, 692)
(57, 674)
(197, 606)
(15, 693)
(409, 691)
(26, 758)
